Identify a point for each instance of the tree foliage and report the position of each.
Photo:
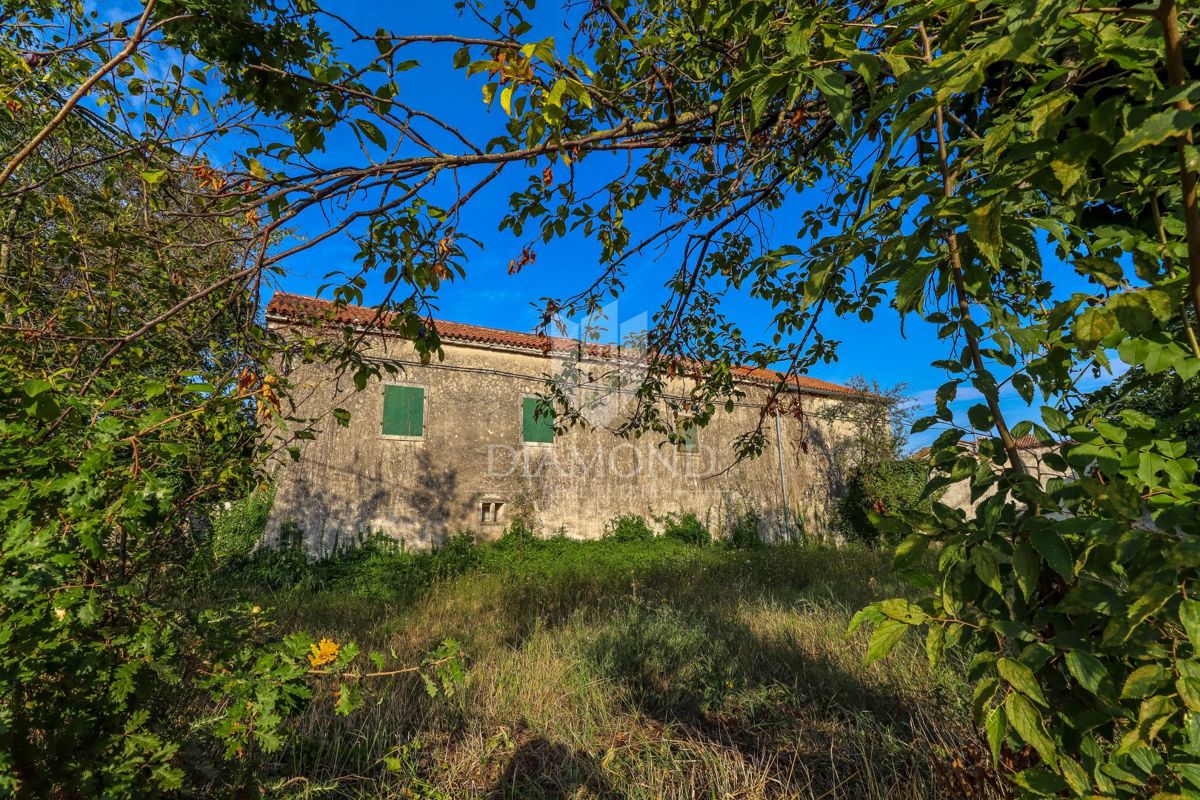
(1162, 395)
(882, 488)
(954, 159)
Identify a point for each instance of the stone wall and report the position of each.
(958, 494)
(353, 481)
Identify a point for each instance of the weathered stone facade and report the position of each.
(1032, 451)
(471, 469)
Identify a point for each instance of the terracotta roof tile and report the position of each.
(1029, 442)
(311, 310)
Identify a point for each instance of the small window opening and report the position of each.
(489, 512)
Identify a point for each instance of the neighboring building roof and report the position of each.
(1029, 442)
(310, 310)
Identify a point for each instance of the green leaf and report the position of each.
(981, 696)
(1140, 311)
(1088, 670)
(153, 176)
(1144, 681)
(1189, 616)
(1027, 566)
(1105, 270)
(996, 728)
(373, 134)
(870, 614)
(910, 550)
(1042, 782)
(1028, 724)
(837, 97)
(987, 567)
(35, 386)
(1156, 130)
(349, 699)
(1054, 550)
(1021, 678)
(980, 417)
(884, 639)
(1055, 420)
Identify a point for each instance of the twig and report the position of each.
(960, 289)
(1176, 76)
(72, 101)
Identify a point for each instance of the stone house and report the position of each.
(1032, 451)
(461, 444)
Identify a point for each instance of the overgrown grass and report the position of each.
(632, 669)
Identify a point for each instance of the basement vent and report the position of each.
(489, 512)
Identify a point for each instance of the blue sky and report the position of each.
(879, 350)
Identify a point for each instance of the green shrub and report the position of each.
(746, 530)
(885, 488)
(237, 529)
(519, 533)
(686, 528)
(669, 662)
(628, 528)
(457, 555)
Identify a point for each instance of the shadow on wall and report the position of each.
(364, 502)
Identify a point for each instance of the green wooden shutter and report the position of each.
(533, 427)
(403, 411)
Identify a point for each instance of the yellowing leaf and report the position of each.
(1092, 326)
(984, 226)
(1188, 684)
(323, 652)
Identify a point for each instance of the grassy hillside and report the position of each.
(621, 669)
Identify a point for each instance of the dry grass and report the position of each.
(641, 670)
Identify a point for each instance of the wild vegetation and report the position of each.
(637, 666)
(953, 160)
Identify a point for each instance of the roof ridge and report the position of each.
(291, 305)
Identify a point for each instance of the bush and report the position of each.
(378, 567)
(628, 528)
(237, 529)
(669, 662)
(686, 528)
(746, 530)
(885, 488)
(518, 534)
(457, 555)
